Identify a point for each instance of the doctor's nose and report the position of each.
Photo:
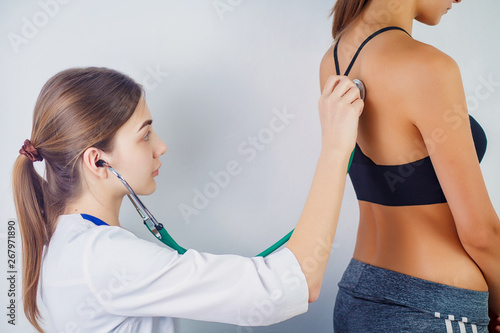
(160, 147)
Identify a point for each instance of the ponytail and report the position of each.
(30, 207)
(344, 12)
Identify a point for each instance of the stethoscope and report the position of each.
(159, 231)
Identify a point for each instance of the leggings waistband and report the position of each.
(382, 285)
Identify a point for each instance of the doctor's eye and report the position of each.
(146, 137)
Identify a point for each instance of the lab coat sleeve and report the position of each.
(132, 277)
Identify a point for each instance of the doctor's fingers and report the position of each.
(335, 103)
(351, 95)
(337, 85)
(330, 84)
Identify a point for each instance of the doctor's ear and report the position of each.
(93, 160)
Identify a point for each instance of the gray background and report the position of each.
(213, 80)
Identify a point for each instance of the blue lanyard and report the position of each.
(94, 219)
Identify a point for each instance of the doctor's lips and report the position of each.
(157, 171)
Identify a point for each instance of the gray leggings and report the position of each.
(373, 299)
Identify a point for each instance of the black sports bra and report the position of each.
(414, 183)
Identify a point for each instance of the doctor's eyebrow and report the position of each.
(146, 123)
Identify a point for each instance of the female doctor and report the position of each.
(95, 276)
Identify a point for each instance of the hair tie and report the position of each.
(30, 152)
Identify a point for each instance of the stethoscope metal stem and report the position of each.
(145, 214)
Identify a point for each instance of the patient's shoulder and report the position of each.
(409, 59)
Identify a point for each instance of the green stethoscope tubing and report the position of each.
(170, 242)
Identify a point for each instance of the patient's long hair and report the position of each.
(77, 108)
(344, 12)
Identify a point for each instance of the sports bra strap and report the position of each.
(360, 48)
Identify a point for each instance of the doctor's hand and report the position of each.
(340, 106)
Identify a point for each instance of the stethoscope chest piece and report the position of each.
(361, 87)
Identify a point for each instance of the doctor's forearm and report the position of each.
(312, 240)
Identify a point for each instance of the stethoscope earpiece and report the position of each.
(101, 163)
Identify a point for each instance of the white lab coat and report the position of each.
(106, 279)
